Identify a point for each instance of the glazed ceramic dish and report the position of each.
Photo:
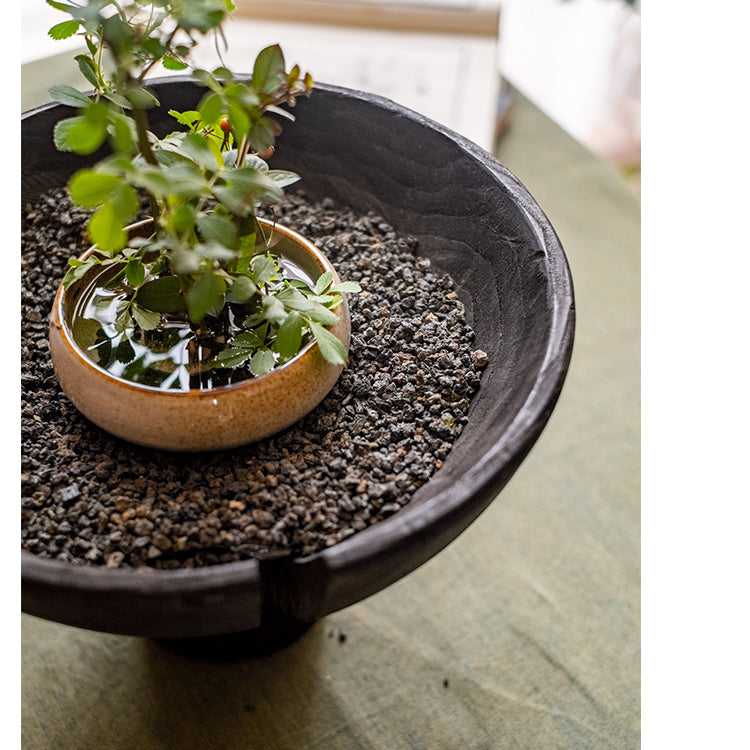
(198, 420)
(474, 220)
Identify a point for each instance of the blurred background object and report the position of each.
(451, 60)
(579, 61)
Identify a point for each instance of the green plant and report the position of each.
(203, 184)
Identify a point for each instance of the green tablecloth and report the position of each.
(523, 633)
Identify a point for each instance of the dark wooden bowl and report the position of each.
(474, 220)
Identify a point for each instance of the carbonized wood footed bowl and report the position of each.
(474, 220)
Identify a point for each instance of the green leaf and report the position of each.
(211, 108)
(140, 97)
(215, 251)
(61, 6)
(88, 68)
(124, 320)
(125, 202)
(125, 352)
(238, 120)
(324, 281)
(148, 320)
(294, 300)
(195, 147)
(107, 229)
(209, 81)
(187, 118)
(242, 289)
(283, 178)
(251, 339)
(330, 347)
(79, 134)
(162, 295)
(262, 362)
(264, 269)
(261, 135)
(135, 273)
(215, 228)
(68, 95)
(289, 336)
(117, 99)
(183, 219)
(77, 271)
(268, 67)
(89, 189)
(232, 357)
(122, 133)
(64, 30)
(346, 287)
(273, 310)
(205, 296)
(172, 63)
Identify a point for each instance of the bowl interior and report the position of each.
(474, 220)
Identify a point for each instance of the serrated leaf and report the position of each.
(148, 320)
(332, 349)
(187, 118)
(64, 30)
(251, 339)
(125, 202)
(262, 362)
(124, 319)
(214, 251)
(172, 63)
(231, 357)
(77, 271)
(125, 352)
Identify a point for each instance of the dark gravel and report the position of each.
(90, 498)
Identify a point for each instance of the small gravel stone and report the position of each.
(385, 428)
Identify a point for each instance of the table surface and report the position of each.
(523, 633)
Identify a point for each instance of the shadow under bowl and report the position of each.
(475, 221)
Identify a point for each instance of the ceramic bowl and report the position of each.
(198, 420)
(474, 220)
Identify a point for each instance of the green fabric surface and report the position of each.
(532, 616)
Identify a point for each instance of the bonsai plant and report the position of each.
(202, 294)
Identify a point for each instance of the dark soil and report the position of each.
(386, 427)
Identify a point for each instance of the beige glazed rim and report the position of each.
(222, 417)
